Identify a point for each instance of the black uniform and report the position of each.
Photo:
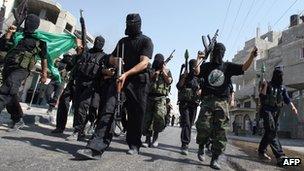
(271, 106)
(188, 107)
(135, 89)
(15, 72)
(88, 76)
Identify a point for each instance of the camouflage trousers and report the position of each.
(154, 119)
(212, 124)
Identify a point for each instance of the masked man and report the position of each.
(273, 95)
(154, 120)
(87, 78)
(213, 118)
(138, 49)
(188, 93)
(19, 61)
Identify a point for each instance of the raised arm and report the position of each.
(249, 61)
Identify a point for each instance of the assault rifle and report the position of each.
(169, 58)
(119, 129)
(208, 46)
(83, 30)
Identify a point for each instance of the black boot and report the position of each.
(89, 154)
(215, 163)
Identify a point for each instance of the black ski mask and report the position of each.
(277, 76)
(32, 23)
(98, 44)
(133, 25)
(158, 61)
(218, 53)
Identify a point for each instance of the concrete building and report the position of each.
(275, 48)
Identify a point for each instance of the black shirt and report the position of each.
(133, 49)
(216, 78)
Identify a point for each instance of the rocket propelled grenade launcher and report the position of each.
(186, 61)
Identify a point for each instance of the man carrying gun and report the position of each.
(213, 118)
(273, 95)
(188, 93)
(154, 120)
(138, 49)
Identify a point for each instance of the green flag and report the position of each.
(57, 44)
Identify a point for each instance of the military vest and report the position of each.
(274, 97)
(160, 87)
(23, 59)
(89, 65)
(188, 93)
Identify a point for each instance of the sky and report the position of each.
(177, 24)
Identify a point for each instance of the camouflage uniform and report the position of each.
(155, 115)
(213, 121)
(154, 119)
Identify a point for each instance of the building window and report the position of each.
(247, 104)
(69, 27)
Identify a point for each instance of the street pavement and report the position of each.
(35, 148)
(291, 144)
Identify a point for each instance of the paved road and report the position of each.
(35, 148)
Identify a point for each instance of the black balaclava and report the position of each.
(98, 44)
(192, 64)
(32, 23)
(218, 53)
(277, 76)
(133, 25)
(158, 61)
